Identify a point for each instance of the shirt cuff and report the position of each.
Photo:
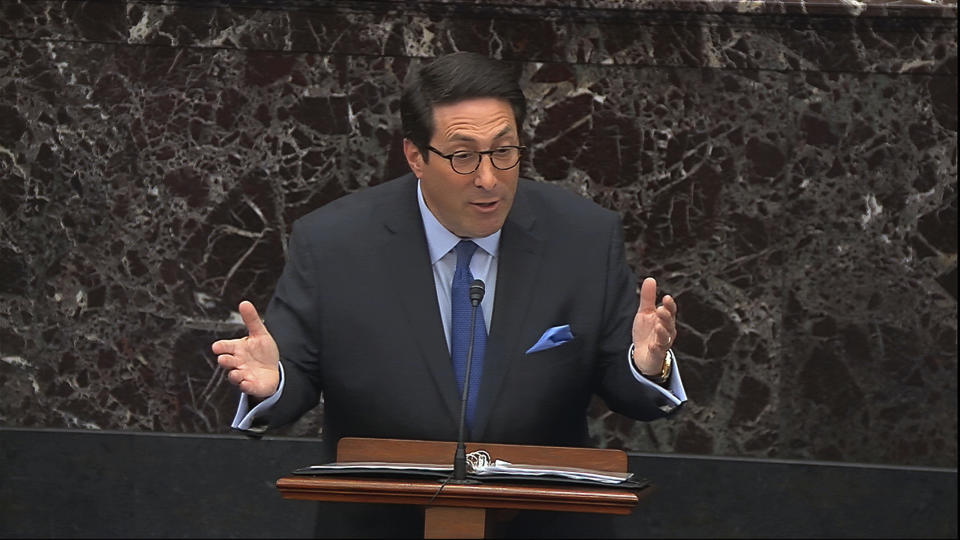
(675, 393)
(244, 418)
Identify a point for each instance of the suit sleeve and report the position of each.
(615, 383)
(291, 318)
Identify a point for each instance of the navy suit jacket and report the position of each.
(355, 317)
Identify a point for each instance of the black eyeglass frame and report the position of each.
(480, 154)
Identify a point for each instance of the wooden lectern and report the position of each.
(460, 510)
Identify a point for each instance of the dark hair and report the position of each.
(451, 78)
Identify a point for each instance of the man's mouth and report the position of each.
(485, 206)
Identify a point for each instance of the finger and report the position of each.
(225, 346)
(671, 338)
(251, 319)
(235, 376)
(666, 318)
(667, 329)
(664, 338)
(228, 361)
(246, 387)
(648, 295)
(671, 304)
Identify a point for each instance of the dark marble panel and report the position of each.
(704, 221)
(147, 192)
(84, 484)
(790, 179)
(725, 34)
(870, 328)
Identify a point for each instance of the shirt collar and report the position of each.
(440, 240)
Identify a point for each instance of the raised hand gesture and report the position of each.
(654, 329)
(252, 362)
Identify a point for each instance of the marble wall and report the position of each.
(787, 170)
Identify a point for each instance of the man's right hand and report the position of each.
(252, 362)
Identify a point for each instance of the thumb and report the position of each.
(251, 319)
(648, 295)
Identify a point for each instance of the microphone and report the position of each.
(477, 289)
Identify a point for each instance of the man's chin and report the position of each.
(480, 230)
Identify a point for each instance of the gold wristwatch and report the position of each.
(664, 375)
(665, 372)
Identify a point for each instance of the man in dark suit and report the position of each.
(366, 311)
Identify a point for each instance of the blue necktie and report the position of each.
(460, 337)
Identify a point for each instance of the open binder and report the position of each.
(481, 467)
(397, 471)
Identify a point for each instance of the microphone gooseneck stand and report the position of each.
(460, 456)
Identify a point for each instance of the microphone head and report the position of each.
(476, 291)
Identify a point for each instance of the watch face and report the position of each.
(665, 373)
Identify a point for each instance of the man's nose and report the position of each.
(486, 177)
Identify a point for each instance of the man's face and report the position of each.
(476, 204)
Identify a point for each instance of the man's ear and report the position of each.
(414, 157)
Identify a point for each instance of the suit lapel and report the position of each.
(517, 271)
(407, 257)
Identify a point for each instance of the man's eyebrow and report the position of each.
(467, 138)
(504, 132)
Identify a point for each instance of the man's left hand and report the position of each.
(654, 329)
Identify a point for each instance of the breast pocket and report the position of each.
(567, 355)
(547, 383)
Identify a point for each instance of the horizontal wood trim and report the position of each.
(424, 492)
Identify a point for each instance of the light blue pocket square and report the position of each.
(558, 335)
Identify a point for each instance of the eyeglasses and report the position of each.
(468, 161)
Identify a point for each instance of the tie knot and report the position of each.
(465, 250)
